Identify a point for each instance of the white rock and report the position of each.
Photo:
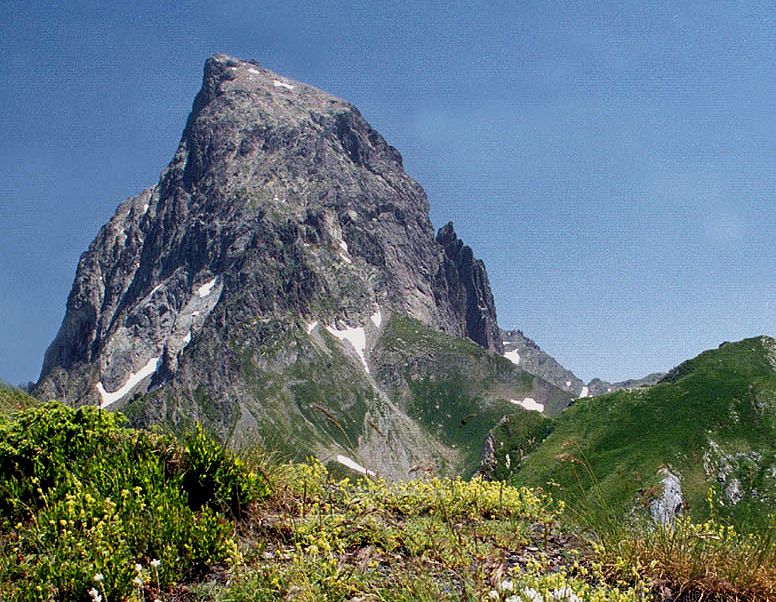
(670, 503)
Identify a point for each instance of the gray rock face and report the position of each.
(740, 475)
(260, 269)
(278, 189)
(525, 353)
(463, 283)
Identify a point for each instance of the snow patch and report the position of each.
(344, 253)
(145, 209)
(529, 403)
(279, 84)
(356, 337)
(513, 356)
(311, 326)
(132, 381)
(353, 465)
(156, 288)
(585, 392)
(187, 338)
(377, 318)
(568, 383)
(206, 288)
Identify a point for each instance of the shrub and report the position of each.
(81, 495)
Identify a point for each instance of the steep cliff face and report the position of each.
(250, 285)
(463, 284)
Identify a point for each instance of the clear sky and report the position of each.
(613, 163)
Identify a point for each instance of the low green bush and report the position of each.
(82, 496)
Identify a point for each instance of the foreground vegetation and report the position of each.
(82, 496)
(92, 510)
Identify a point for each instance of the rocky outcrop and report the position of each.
(488, 459)
(740, 475)
(600, 387)
(669, 503)
(462, 282)
(524, 352)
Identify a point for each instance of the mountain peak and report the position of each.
(224, 74)
(468, 289)
(283, 231)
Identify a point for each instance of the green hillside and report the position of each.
(13, 399)
(429, 400)
(456, 390)
(711, 421)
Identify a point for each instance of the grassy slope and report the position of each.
(13, 399)
(293, 396)
(727, 395)
(299, 394)
(514, 438)
(456, 389)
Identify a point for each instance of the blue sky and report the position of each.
(612, 163)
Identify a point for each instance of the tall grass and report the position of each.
(681, 560)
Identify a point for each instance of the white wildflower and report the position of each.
(506, 586)
(98, 577)
(155, 563)
(565, 594)
(138, 581)
(531, 595)
(494, 595)
(139, 568)
(95, 595)
(514, 598)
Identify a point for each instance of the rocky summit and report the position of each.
(269, 286)
(524, 352)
